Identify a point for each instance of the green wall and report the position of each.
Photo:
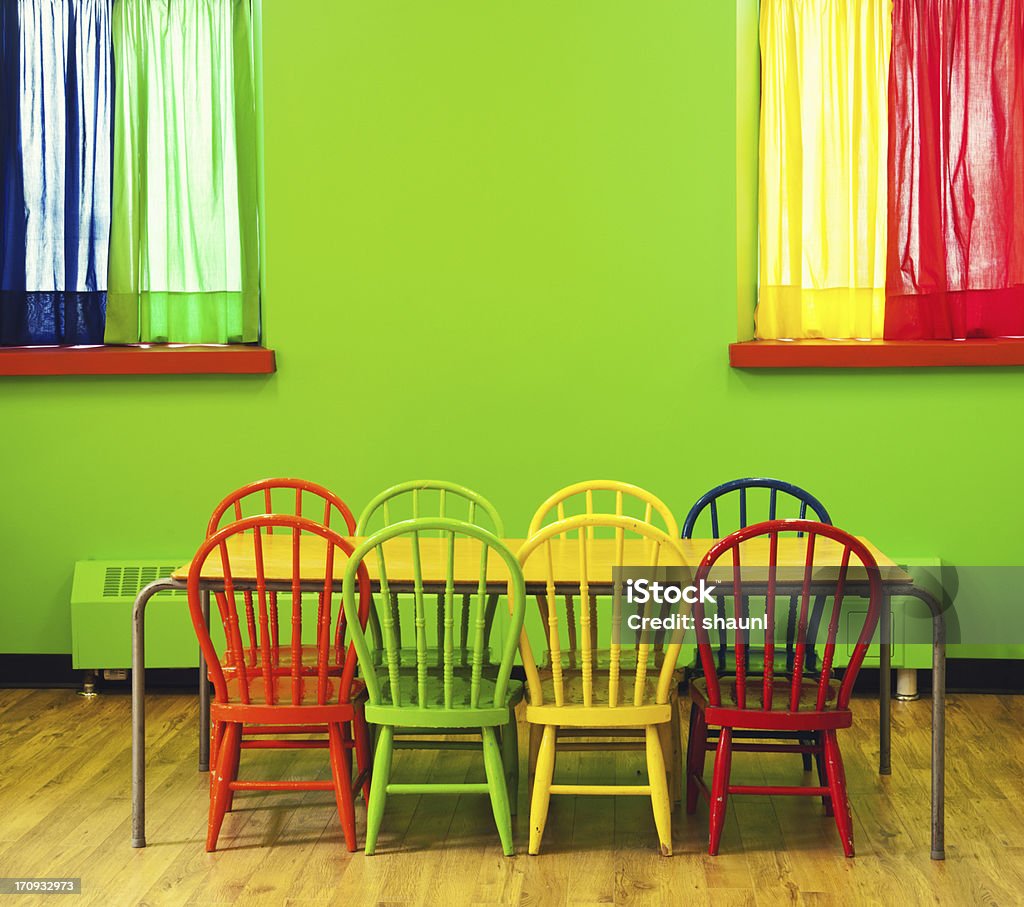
(502, 250)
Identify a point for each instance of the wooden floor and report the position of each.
(64, 811)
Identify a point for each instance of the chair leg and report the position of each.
(216, 735)
(341, 775)
(695, 750)
(362, 738)
(819, 759)
(660, 801)
(720, 789)
(837, 788)
(676, 755)
(379, 786)
(233, 769)
(510, 759)
(497, 784)
(536, 730)
(665, 737)
(807, 741)
(230, 741)
(541, 798)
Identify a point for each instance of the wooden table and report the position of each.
(398, 554)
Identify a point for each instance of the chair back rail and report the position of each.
(583, 495)
(583, 625)
(239, 552)
(852, 554)
(283, 495)
(386, 676)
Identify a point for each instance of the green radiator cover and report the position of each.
(102, 596)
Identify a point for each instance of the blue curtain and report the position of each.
(56, 94)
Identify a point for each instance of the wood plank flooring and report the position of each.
(65, 811)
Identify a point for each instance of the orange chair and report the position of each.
(291, 496)
(301, 498)
(800, 701)
(255, 687)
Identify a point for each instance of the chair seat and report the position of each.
(431, 712)
(753, 717)
(461, 657)
(575, 713)
(281, 685)
(308, 656)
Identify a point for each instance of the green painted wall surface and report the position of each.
(501, 249)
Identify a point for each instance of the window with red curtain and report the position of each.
(942, 225)
(955, 264)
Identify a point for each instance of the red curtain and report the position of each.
(955, 265)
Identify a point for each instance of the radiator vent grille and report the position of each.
(119, 582)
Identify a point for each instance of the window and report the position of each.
(129, 174)
(890, 190)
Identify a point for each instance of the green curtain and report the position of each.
(184, 239)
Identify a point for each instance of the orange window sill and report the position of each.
(156, 359)
(876, 353)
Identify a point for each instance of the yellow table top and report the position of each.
(602, 557)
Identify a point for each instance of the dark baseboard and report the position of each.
(55, 672)
(963, 675)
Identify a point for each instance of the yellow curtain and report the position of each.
(822, 196)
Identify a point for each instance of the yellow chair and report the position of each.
(621, 499)
(573, 691)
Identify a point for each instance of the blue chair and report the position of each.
(735, 499)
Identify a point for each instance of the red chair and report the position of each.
(809, 702)
(313, 690)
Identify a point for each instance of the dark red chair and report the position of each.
(313, 689)
(810, 702)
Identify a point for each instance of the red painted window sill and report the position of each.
(876, 353)
(156, 359)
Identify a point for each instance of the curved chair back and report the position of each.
(747, 563)
(471, 560)
(567, 548)
(604, 496)
(428, 498)
(252, 563)
(289, 496)
(782, 497)
(778, 492)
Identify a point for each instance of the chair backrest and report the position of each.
(780, 494)
(635, 543)
(730, 506)
(604, 496)
(828, 557)
(251, 564)
(290, 496)
(429, 498)
(464, 559)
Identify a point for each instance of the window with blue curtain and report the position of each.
(128, 172)
(55, 170)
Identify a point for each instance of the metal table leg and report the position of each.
(139, 705)
(885, 688)
(204, 696)
(938, 721)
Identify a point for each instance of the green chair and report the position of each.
(444, 693)
(434, 497)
